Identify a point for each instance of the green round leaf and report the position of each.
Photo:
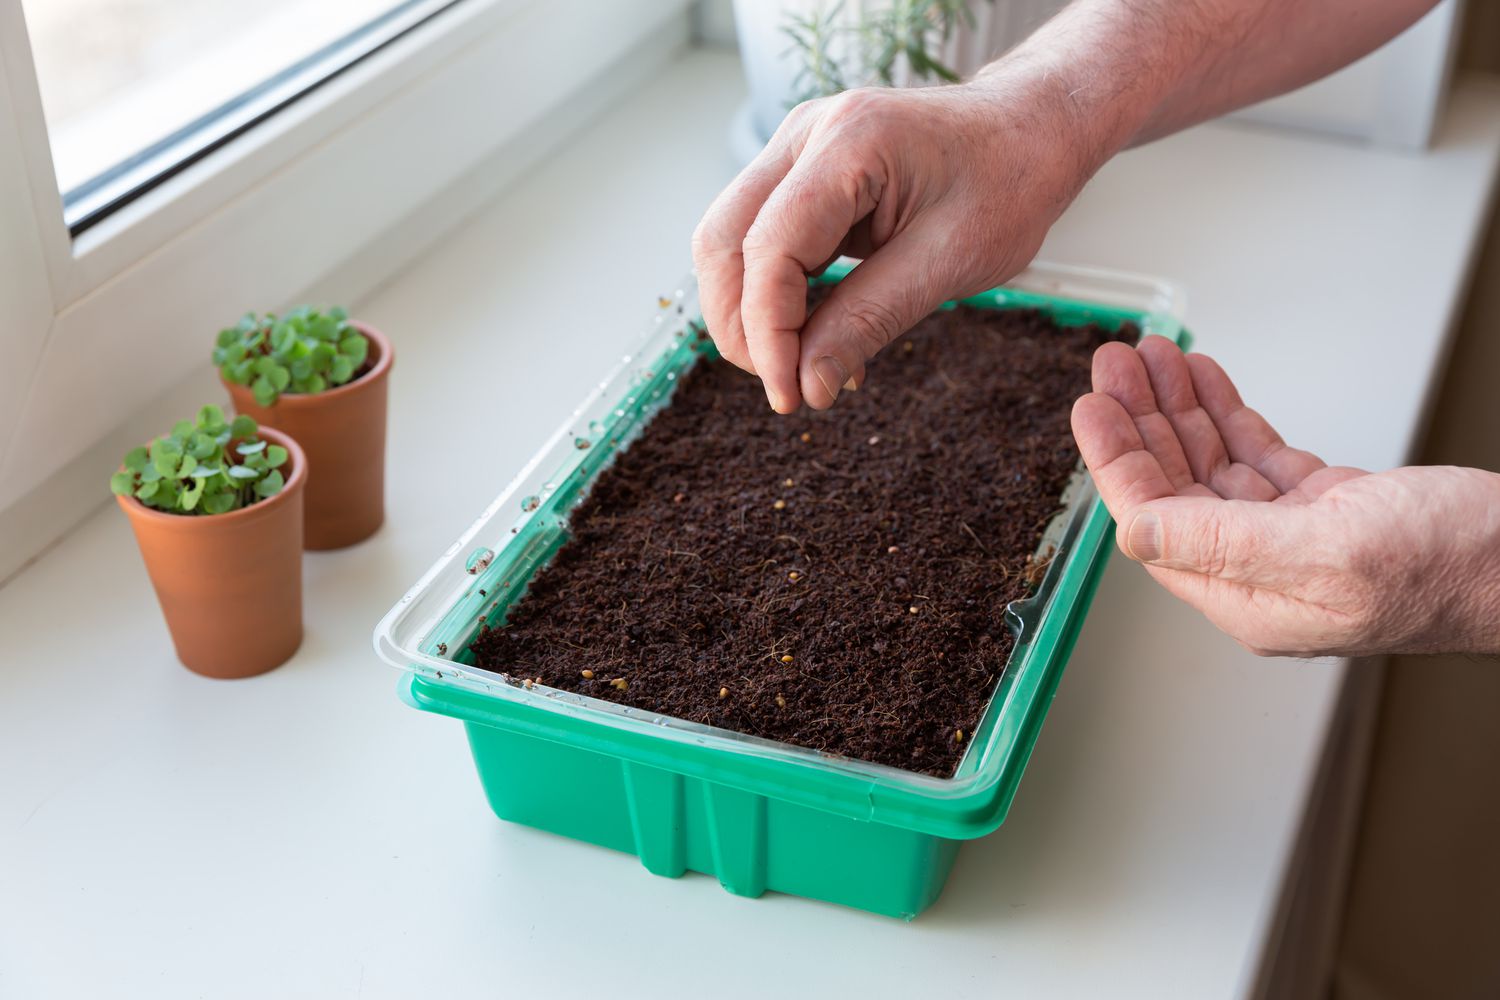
(137, 459)
(210, 418)
(243, 426)
(356, 348)
(264, 391)
(271, 484)
(122, 483)
(242, 472)
(250, 447)
(165, 460)
(218, 503)
(183, 428)
(227, 337)
(280, 378)
(148, 490)
(190, 495)
(316, 384)
(276, 456)
(240, 372)
(341, 370)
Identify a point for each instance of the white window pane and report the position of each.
(121, 77)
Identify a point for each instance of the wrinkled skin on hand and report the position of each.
(940, 193)
(1286, 554)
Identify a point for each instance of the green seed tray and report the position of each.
(756, 814)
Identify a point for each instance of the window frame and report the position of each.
(99, 327)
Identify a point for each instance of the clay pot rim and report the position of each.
(384, 357)
(206, 522)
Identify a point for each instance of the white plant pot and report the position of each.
(771, 63)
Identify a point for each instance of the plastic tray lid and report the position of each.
(488, 567)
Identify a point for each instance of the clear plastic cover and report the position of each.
(488, 567)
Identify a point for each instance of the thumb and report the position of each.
(882, 298)
(1239, 540)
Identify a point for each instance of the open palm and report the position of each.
(1285, 553)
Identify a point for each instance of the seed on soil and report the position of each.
(786, 657)
(723, 692)
(907, 347)
(958, 737)
(779, 505)
(894, 549)
(806, 437)
(794, 576)
(587, 675)
(663, 301)
(788, 483)
(780, 701)
(679, 497)
(619, 684)
(526, 684)
(912, 610)
(874, 439)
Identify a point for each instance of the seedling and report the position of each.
(305, 351)
(868, 47)
(209, 465)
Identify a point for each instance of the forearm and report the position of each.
(1460, 588)
(1123, 72)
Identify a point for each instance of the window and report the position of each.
(135, 90)
(228, 155)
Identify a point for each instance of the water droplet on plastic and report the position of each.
(479, 559)
(625, 359)
(595, 427)
(671, 376)
(529, 504)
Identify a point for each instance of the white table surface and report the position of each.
(306, 834)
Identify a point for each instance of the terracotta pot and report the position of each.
(343, 432)
(230, 585)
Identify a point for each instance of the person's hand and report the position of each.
(1286, 554)
(944, 192)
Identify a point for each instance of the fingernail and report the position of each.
(831, 372)
(1143, 539)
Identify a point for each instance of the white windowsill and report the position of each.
(305, 833)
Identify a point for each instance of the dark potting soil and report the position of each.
(834, 580)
